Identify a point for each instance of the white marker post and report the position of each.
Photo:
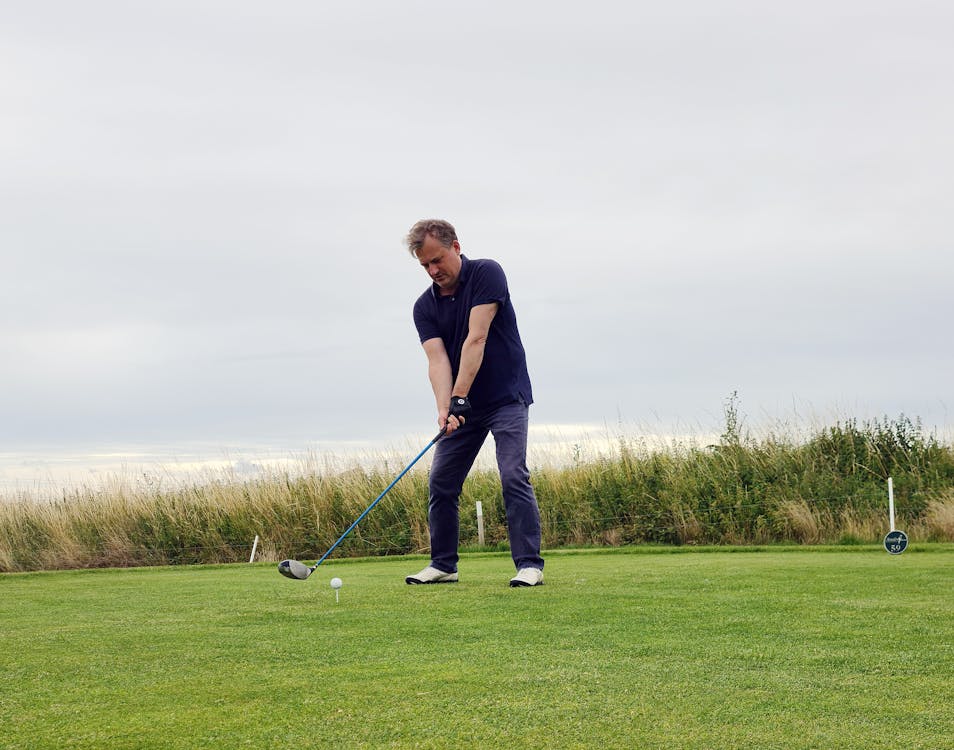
(254, 547)
(896, 541)
(891, 501)
(480, 523)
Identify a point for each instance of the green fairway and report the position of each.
(782, 648)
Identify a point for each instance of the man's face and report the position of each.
(441, 263)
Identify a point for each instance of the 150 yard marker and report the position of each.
(896, 541)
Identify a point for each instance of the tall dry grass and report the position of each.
(828, 488)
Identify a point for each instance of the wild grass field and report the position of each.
(827, 487)
(788, 648)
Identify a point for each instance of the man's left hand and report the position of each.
(460, 408)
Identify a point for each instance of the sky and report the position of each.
(204, 203)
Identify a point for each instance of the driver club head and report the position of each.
(294, 569)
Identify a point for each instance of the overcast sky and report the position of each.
(203, 206)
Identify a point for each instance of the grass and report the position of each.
(649, 647)
(830, 487)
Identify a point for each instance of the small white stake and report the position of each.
(480, 523)
(254, 547)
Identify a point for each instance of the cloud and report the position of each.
(204, 209)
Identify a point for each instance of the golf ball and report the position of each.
(336, 583)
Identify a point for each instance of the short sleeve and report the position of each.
(489, 284)
(424, 319)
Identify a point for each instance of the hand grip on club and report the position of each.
(387, 489)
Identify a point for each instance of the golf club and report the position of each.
(300, 571)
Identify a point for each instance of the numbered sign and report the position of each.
(896, 542)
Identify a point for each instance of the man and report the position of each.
(478, 372)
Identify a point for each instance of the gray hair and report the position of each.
(442, 231)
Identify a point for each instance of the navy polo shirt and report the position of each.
(502, 377)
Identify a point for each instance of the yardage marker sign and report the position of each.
(896, 541)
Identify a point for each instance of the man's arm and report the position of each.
(441, 377)
(472, 354)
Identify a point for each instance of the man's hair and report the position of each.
(442, 231)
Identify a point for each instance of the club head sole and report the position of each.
(294, 569)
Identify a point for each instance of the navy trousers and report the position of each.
(453, 459)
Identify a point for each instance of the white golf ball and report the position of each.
(336, 583)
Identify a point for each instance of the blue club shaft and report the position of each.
(378, 499)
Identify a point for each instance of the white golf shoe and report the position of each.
(527, 577)
(432, 575)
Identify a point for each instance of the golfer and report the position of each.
(478, 372)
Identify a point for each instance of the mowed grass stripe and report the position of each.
(765, 649)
